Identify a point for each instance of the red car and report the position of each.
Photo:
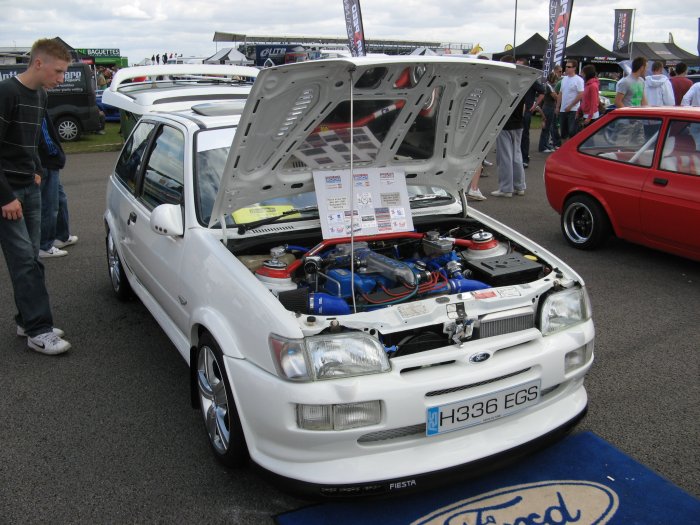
(634, 173)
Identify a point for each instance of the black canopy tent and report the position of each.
(588, 51)
(533, 49)
(668, 53)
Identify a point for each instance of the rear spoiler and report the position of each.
(204, 76)
(181, 70)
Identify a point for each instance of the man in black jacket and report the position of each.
(55, 232)
(22, 109)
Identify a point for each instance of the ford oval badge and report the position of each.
(480, 358)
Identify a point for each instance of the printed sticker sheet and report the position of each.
(371, 201)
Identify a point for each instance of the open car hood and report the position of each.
(434, 118)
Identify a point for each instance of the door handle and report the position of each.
(132, 218)
(660, 182)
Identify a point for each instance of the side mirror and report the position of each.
(166, 219)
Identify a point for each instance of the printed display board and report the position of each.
(372, 201)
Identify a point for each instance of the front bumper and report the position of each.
(437, 478)
(397, 448)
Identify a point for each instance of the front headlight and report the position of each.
(563, 309)
(329, 356)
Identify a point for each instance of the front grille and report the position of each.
(394, 433)
(473, 385)
(507, 323)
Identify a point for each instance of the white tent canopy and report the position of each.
(228, 55)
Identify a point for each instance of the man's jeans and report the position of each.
(20, 246)
(509, 160)
(54, 210)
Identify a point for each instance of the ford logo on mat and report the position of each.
(479, 358)
(542, 503)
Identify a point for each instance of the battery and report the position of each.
(502, 270)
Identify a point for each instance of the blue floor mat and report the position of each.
(580, 480)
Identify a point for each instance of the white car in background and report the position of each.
(391, 339)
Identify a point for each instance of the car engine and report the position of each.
(337, 277)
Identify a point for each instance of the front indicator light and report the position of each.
(577, 358)
(338, 417)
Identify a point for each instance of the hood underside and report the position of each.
(433, 118)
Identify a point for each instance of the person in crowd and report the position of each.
(569, 100)
(509, 159)
(692, 96)
(680, 82)
(55, 233)
(630, 90)
(591, 95)
(22, 108)
(658, 89)
(533, 98)
(550, 133)
(101, 80)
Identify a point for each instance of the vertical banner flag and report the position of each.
(698, 36)
(623, 29)
(559, 18)
(353, 24)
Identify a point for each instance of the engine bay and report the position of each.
(339, 277)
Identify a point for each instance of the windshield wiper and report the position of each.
(269, 220)
(418, 201)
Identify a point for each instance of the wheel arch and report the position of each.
(599, 198)
(204, 320)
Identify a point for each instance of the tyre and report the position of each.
(221, 420)
(120, 284)
(584, 223)
(68, 129)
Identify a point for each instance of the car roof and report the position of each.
(661, 111)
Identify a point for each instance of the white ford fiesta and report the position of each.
(351, 325)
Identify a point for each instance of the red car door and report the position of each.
(670, 198)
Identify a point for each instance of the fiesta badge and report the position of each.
(480, 357)
(541, 503)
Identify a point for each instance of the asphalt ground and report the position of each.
(105, 433)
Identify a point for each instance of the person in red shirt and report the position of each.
(590, 99)
(680, 83)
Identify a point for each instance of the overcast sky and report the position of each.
(141, 28)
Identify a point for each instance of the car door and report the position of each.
(618, 160)
(122, 201)
(155, 258)
(670, 199)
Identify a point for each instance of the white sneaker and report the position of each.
(22, 333)
(48, 343)
(72, 239)
(499, 193)
(520, 192)
(476, 194)
(52, 252)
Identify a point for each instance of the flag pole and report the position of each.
(515, 25)
(634, 16)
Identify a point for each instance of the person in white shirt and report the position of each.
(657, 87)
(570, 96)
(692, 96)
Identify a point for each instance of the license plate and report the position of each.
(482, 409)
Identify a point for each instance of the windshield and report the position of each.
(212, 148)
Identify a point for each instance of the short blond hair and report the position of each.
(50, 47)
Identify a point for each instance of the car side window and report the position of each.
(129, 162)
(627, 140)
(681, 152)
(165, 170)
